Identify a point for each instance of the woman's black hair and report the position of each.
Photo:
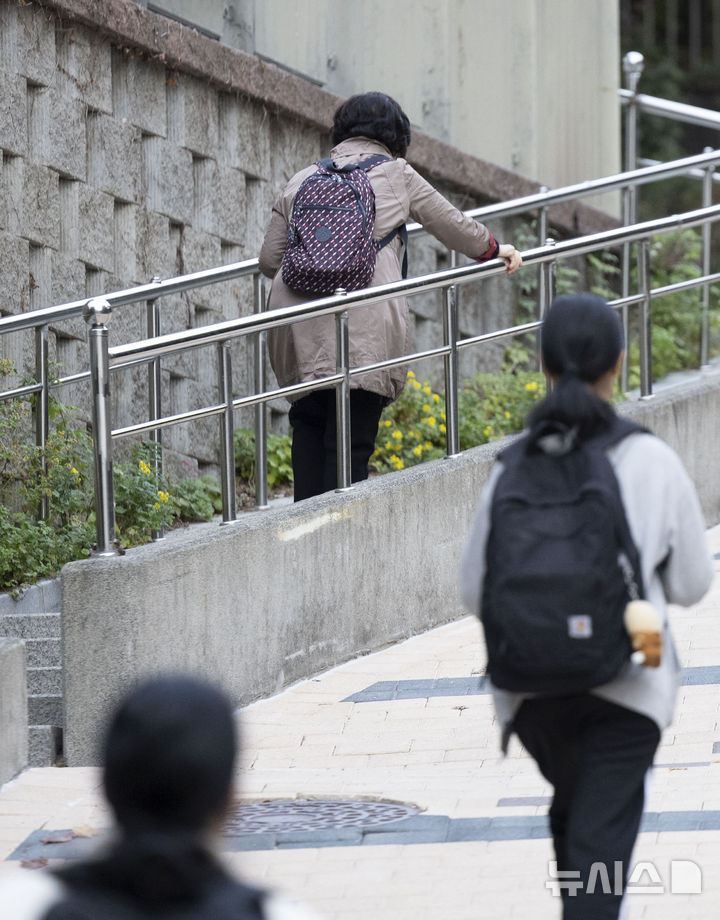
(581, 341)
(376, 116)
(168, 766)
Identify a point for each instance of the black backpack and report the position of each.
(561, 566)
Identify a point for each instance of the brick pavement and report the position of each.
(411, 724)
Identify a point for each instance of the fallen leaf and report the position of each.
(38, 863)
(85, 831)
(60, 837)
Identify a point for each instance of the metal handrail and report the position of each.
(340, 305)
(669, 108)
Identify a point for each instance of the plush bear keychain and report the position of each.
(644, 626)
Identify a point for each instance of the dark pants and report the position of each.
(314, 447)
(596, 755)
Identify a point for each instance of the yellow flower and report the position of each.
(431, 422)
(426, 389)
(388, 445)
(417, 385)
(507, 415)
(388, 423)
(163, 496)
(411, 433)
(436, 398)
(410, 375)
(531, 387)
(487, 431)
(443, 429)
(426, 407)
(144, 468)
(395, 460)
(442, 416)
(399, 465)
(418, 450)
(74, 472)
(157, 506)
(427, 445)
(397, 434)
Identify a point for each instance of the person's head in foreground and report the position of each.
(168, 764)
(582, 352)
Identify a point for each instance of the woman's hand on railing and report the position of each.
(510, 256)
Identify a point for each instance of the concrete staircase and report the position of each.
(35, 618)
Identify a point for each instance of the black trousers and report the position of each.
(596, 755)
(314, 444)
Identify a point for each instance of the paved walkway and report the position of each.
(413, 725)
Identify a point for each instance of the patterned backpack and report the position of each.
(330, 238)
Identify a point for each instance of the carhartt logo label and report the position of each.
(580, 627)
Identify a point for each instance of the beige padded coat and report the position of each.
(306, 351)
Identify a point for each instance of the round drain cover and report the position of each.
(282, 815)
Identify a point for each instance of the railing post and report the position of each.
(542, 231)
(707, 200)
(450, 339)
(633, 65)
(625, 288)
(227, 431)
(42, 407)
(261, 483)
(97, 314)
(342, 398)
(645, 344)
(154, 373)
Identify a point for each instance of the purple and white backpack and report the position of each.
(330, 237)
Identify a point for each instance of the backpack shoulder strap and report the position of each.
(617, 431)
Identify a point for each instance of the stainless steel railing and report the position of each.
(105, 358)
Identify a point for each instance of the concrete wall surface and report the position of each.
(285, 593)
(501, 81)
(13, 709)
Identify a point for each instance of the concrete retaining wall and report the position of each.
(13, 709)
(283, 594)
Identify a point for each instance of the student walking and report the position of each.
(370, 134)
(594, 743)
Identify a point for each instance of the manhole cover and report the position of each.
(283, 815)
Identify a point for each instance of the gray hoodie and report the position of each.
(667, 525)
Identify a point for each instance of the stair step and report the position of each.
(45, 709)
(44, 745)
(44, 681)
(30, 625)
(43, 653)
(44, 597)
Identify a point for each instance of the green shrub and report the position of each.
(279, 459)
(197, 499)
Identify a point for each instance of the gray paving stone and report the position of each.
(31, 626)
(45, 710)
(43, 653)
(139, 92)
(43, 597)
(45, 681)
(13, 113)
(27, 41)
(86, 66)
(340, 836)
(43, 745)
(114, 157)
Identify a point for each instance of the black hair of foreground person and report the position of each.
(168, 767)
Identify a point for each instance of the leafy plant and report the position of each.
(412, 429)
(279, 457)
(196, 499)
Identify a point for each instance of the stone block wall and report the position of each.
(130, 147)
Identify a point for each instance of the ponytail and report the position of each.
(581, 341)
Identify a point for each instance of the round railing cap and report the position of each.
(97, 311)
